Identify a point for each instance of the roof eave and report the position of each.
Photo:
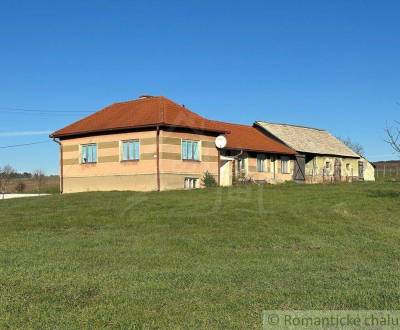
(116, 129)
(327, 154)
(293, 153)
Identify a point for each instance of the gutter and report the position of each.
(117, 129)
(61, 165)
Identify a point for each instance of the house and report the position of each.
(321, 157)
(251, 154)
(153, 143)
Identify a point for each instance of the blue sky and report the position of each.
(328, 64)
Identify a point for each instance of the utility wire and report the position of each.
(24, 144)
(43, 110)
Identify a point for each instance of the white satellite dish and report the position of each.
(220, 141)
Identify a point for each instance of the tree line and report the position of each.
(8, 174)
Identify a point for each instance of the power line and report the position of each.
(40, 114)
(24, 144)
(8, 109)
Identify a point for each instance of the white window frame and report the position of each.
(242, 169)
(81, 153)
(286, 161)
(190, 183)
(121, 150)
(199, 150)
(260, 158)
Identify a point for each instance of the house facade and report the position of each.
(321, 157)
(153, 143)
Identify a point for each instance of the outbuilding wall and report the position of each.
(317, 171)
(272, 168)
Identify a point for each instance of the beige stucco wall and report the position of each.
(272, 169)
(140, 182)
(369, 171)
(317, 166)
(174, 170)
(110, 173)
(317, 172)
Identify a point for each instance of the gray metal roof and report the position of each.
(308, 140)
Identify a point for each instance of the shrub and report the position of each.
(20, 187)
(208, 180)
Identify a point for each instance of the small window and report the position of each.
(328, 165)
(130, 150)
(260, 163)
(190, 183)
(242, 164)
(348, 166)
(88, 153)
(190, 150)
(285, 166)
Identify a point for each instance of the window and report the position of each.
(328, 165)
(190, 150)
(89, 153)
(190, 183)
(260, 163)
(348, 166)
(130, 150)
(285, 165)
(242, 164)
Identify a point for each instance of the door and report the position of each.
(361, 170)
(338, 170)
(299, 173)
(226, 172)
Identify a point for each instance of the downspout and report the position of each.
(158, 158)
(219, 167)
(61, 166)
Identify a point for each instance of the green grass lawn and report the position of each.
(197, 259)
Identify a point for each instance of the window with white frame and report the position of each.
(130, 150)
(190, 150)
(285, 165)
(242, 164)
(260, 163)
(88, 153)
(190, 183)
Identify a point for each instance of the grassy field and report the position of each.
(50, 185)
(197, 259)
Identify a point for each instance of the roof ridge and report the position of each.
(292, 125)
(225, 122)
(139, 99)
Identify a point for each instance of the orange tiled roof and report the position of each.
(243, 137)
(158, 110)
(143, 112)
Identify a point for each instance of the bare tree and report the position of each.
(6, 174)
(356, 147)
(39, 177)
(393, 136)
